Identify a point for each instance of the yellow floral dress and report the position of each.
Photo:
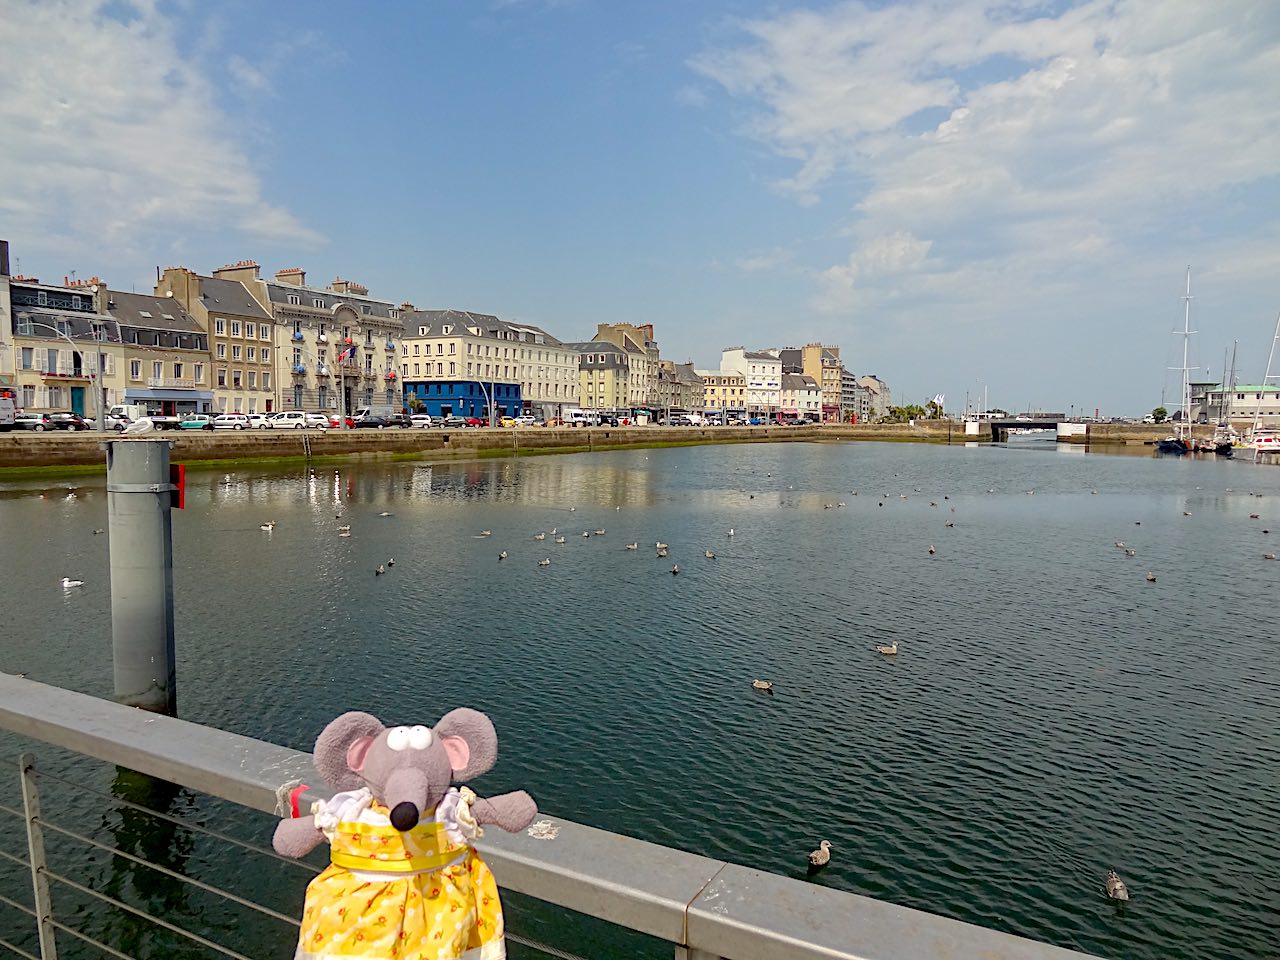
(387, 895)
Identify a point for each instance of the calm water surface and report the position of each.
(1050, 713)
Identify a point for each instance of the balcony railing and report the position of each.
(706, 908)
(299, 368)
(173, 383)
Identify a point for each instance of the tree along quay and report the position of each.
(25, 451)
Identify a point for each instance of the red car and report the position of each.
(475, 422)
(336, 422)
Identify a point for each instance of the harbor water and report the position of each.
(1050, 713)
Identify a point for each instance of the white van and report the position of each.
(7, 413)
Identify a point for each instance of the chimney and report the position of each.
(4, 258)
(295, 276)
(407, 307)
(348, 286)
(241, 271)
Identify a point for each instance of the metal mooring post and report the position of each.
(139, 498)
(35, 853)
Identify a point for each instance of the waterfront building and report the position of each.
(641, 348)
(604, 375)
(165, 352)
(879, 397)
(763, 374)
(855, 399)
(241, 338)
(801, 397)
(1237, 405)
(314, 326)
(546, 368)
(459, 363)
(679, 387)
(822, 364)
(724, 392)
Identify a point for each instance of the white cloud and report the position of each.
(118, 137)
(762, 262)
(1010, 144)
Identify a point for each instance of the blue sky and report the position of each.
(960, 193)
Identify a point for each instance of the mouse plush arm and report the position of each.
(511, 811)
(296, 837)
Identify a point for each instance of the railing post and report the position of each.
(139, 498)
(35, 852)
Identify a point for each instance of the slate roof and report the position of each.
(756, 355)
(152, 312)
(796, 381)
(231, 296)
(280, 292)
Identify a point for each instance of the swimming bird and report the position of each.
(731, 531)
(345, 528)
(96, 532)
(1268, 556)
(559, 539)
(68, 583)
(1137, 523)
(379, 570)
(391, 562)
(1151, 577)
(502, 555)
(1186, 513)
(709, 554)
(675, 569)
(662, 552)
(1130, 552)
(660, 545)
(269, 525)
(486, 533)
(889, 651)
(600, 533)
(545, 563)
(586, 533)
(633, 546)
(821, 857)
(932, 549)
(1253, 516)
(949, 523)
(1116, 889)
(344, 533)
(765, 685)
(384, 513)
(539, 536)
(1120, 544)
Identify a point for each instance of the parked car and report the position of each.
(39, 422)
(320, 420)
(528, 420)
(400, 420)
(231, 421)
(117, 423)
(454, 423)
(507, 422)
(424, 420)
(336, 422)
(71, 422)
(259, 421)
(475, 422)
(287, 420)
(375, 423)
(197, 421)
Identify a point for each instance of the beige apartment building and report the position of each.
(315, 327)
(641, 348)
(604, 375)
(724, 392)
(241, 338)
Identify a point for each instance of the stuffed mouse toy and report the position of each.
(404, 882)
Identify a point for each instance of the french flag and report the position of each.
(348, 354)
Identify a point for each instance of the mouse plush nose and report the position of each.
(404, 816)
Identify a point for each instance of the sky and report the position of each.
(964, 195)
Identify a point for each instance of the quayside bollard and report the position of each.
(139, 498)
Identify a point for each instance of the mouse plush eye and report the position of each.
(398, 738)
(419, 737)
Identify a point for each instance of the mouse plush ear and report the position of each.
(341, 748)
(470, 740)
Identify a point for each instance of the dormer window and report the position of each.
(422, 331)
(294, 298)
(317, 302)
(447, 329)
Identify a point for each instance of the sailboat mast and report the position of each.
(1257, 411)
(1186, 358)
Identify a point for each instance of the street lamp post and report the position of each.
(97, 378)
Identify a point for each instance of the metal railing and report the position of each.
(704, 908)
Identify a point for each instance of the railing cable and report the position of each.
(17, 950)
(6, 855)
(194, 937)
(17, 906)
(92, 942)
(107, 848)
(186, 824)
(542, 947)
(5, 808)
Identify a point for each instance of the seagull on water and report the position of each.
(821, 857)
(889, 651)
(633, 546)
(545, 563)
(765, 685)
(1115, 887)
(502, 555)
(268, 526)
(68, 583)
(675, 569)
(709, 554)
(379, 570)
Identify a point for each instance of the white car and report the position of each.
(259, 421)
(423, 420)
(231, 421)
(320, 420)
(288, 420)
(526, 421)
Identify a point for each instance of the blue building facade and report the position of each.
(464, 398)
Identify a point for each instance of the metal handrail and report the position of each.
(708, 907)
